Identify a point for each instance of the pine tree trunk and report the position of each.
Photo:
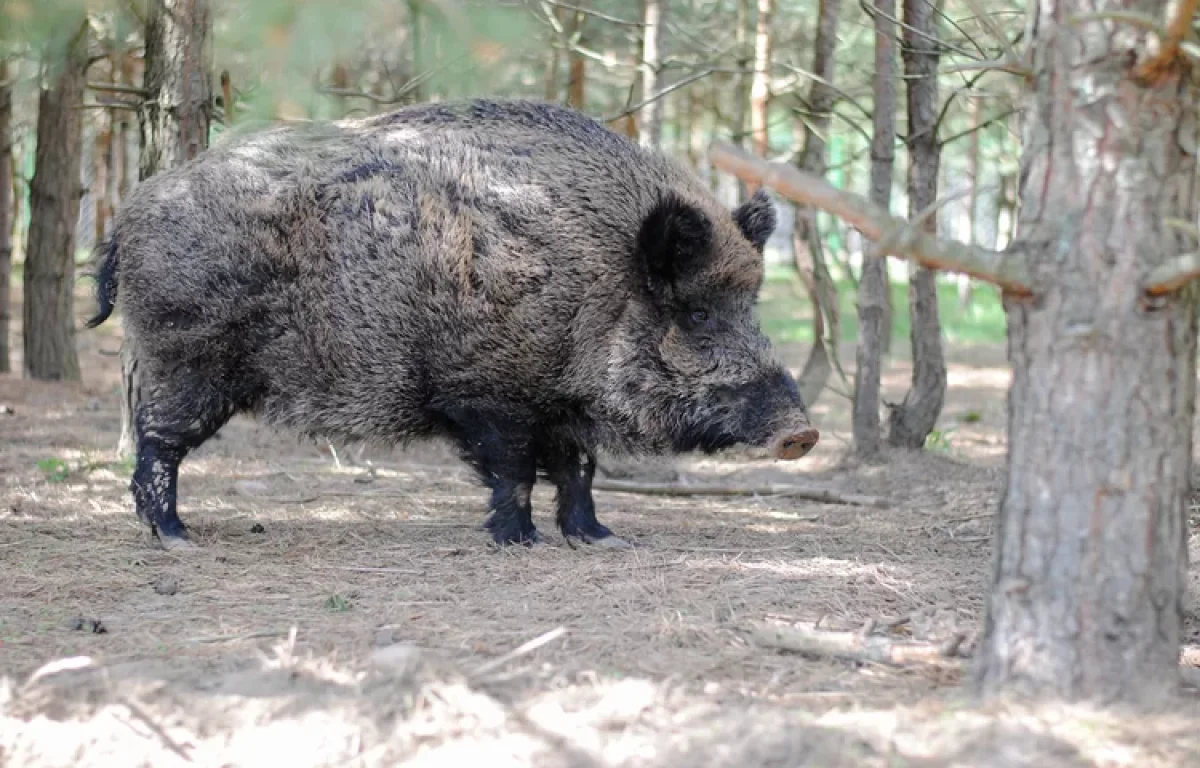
(49, 317)
(873, 288)
(174, 122)
(176, 117)
(417, 37)
(743, 84)
(808, 254)
(975, 174)
(1090, 571)
(653, 38)
(760, 89)
(913, 420)
(7, 214)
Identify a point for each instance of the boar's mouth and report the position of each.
(708, 439)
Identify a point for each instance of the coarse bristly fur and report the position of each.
(507, 274)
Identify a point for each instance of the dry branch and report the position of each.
(1173, 275)
(1006, 269)
(856, 646)
(520, 651)
(1158, 65)
(771, 489)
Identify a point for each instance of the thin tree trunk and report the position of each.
(742, 84)
(974, 174)
(653, 40)
(912, 420)
(760, 90)
(577, 65)
(49, 316)
(553, 65)
(1091, 565)
(873, 288)
(174, 122)
(808, 253)
(101, 154)
(419, 64)
(7, 214)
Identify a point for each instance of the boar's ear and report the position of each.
(756, 219)
(673, 243)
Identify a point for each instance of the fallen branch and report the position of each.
(1006, 269)
(772, 489)
(856, 646)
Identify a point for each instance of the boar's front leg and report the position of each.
(571, 470)
(502, 454)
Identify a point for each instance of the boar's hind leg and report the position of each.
(169, 424)
(571, 471)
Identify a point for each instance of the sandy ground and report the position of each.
(338, 617)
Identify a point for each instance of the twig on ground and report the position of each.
(369, 569)
(520, 651)
(856, 646)
(156, 729)
(236, 638)
(794, 491)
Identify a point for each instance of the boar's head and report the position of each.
(691, 367)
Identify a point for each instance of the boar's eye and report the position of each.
(696, 318)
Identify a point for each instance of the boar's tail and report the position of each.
(106, 281)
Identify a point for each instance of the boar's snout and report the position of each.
(795, 436)
(792, 444)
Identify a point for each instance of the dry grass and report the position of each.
(394, 601)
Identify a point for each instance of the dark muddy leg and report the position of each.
(167, 429)
(502, 455)
(572, 470)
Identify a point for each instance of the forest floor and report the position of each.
(331, 616)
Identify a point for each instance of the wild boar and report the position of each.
(510, 275)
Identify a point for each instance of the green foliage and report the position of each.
(337, 604)
(939, 440)
(55, 469)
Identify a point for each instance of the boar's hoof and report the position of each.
(507, 537)
(594, 533)
(794, 444)
(607, 542)
(176, 543)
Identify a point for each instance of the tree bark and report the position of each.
(1090, 571)
(577, 65)
(760, 89)
(912, 420)
(653, 40)
(49, 316)
(174, 122)
(873, 287)
(821, 100)
(743, 84)
(7, 215)
(177, 113)
(808, 253)
(419, 63)
(973, 171)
